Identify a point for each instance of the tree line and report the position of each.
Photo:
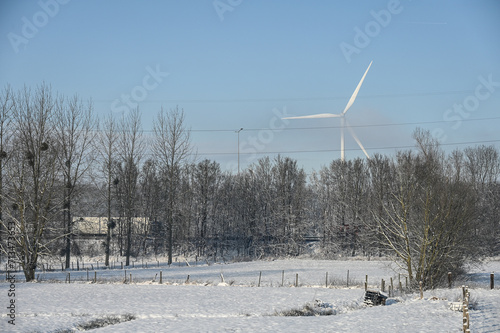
(429, 210)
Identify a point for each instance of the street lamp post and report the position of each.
(238, 131)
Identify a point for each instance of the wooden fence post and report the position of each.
(296, 279)
(492, 280)
(161, 277)
(282, 277)
(260, 276)
(95, 276)
(326, 280)
(465, 309)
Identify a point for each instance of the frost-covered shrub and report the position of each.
(316, 308)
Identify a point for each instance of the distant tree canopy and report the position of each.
(428, 210)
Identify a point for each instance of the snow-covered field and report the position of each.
(206, 304)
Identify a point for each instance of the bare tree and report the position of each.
(205, 185)
(186, 209)
(232, 215)
(150, 193)
(482, 168)
(382, 180)
(131, 149)
(6, 106)
(107, 146)
(172, 147)
(31, 175)
(289, 182)
(357, 202)
(427, 224)
(256, 194)
(74, 135)
(342, 199)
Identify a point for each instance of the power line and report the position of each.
(347, 149)
(294, 99)
(376, 125)
(331, 127)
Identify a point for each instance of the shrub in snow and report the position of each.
(316, 308)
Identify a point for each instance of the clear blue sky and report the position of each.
(242, 64)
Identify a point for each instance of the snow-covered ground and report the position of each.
(207, 304)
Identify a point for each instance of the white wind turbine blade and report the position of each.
(356, 138)
(320, 115)
(353, 97)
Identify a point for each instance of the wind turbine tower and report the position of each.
(343, 120)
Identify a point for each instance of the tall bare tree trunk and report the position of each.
(74, 135)
(172, 148)
(107, 142)
(131, 151)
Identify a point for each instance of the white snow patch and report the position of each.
(240, 306)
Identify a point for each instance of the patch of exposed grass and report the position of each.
(105, 321)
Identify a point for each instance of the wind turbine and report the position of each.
(343, 121)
